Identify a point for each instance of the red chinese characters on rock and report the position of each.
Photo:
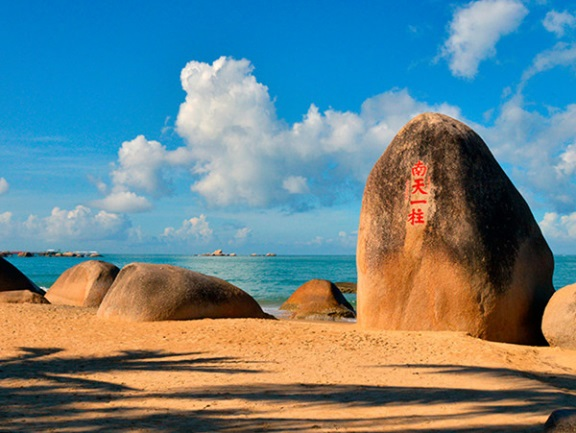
(418, 194)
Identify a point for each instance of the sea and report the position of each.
(270, 280)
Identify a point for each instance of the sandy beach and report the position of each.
(63, 369)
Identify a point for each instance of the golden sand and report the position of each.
(63, 369)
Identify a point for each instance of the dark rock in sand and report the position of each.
(561, 421)
(148, 292)
(15, 287)
(346, 287)
(83, 285)
(559, 321)
(318, 299)
(446, 242)
(22, 297)
(12, 279)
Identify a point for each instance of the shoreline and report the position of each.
(65, 369)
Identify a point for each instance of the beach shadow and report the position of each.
(44, 390)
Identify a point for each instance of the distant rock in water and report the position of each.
(318, 299)
(149, 292)
(83, 285)
(559, 322)
(15, 287)
(446, 242)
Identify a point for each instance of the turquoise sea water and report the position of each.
(270, 280)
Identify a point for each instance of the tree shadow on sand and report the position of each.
(44, 390)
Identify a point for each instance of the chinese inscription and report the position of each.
(418, 194)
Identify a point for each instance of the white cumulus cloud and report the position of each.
(123, 202)
(140, 163)
(475, 30)
(140, 167)
(559, 227)
(197, 228)
(81, 223)
(567, 164)
(559, 22)
(78, 224)
(539, 150)
(4, 186)
(242, 153)
(238, 152)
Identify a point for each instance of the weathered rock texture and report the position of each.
(15, 287)
(446, 242)
(559, 321)
(22, 297)
(561, 421)
(318, 299)
(346, 287)
(83, 285)
(147, 292)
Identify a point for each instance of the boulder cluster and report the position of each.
(149, 292)
(138, 292)
(445, 243)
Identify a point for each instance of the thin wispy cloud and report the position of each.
(559, 22)
(562, 54)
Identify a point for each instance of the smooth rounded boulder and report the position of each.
(446, 242)
(150, 292)
(15, 287)
(83, 285)
(559, 321)
(318, 299)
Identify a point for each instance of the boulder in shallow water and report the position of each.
(559, 321)
(149, 292)
(446, 242)
(318, 299)
(83, 285)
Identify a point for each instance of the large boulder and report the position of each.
(446, 242)
(149, 292)
(12, 279)
(16, 288)
(318, 299)
(559, 321)
(83, 285)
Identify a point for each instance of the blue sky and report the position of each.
(187, 126)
